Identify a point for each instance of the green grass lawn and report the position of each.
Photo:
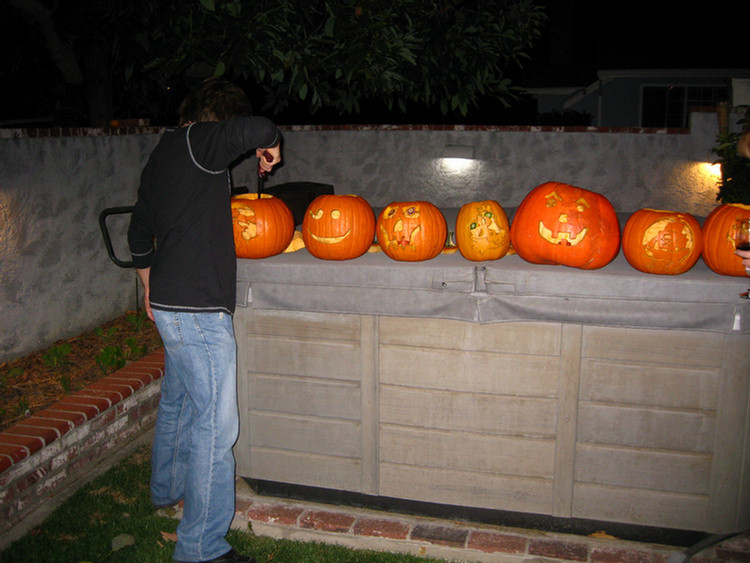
(111, 520)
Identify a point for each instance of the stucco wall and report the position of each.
(56, 278)
(632, 169)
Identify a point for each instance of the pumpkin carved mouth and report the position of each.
(331, 240)
(402, 239)
(564, 238)
(484, 228)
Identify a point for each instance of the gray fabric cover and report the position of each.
(509, 289)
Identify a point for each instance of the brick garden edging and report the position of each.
(361, 528)
(52, 450)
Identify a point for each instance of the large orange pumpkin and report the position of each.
(263, 226)
(662, 242)
(719, 231)
(558, 223)
(411, 230)
(482, 231)
(338, 227)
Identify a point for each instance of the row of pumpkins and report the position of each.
(555, 224)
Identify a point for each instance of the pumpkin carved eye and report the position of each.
(335, 214)
(316, 214)
(582, 205)
(553, 199)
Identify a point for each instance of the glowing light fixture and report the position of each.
(711, 170)
(458, 158)
(465, 152)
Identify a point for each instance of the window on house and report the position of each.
(669, 106)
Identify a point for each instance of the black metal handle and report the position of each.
(105, 233)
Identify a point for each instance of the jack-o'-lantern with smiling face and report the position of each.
(411, 230)
(338, 227)
(558, 223)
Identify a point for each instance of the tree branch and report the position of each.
(62, 54)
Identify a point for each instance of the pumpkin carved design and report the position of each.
(719, 230)
(263, 226)
(662, 242)
(338, 227)
(482, 231)
(558, 223)
(411, 231)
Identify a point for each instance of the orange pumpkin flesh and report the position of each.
(482, 231)
(719, 231)
(662, 242)
(411, 231)
(338, 227)
(558, 223)
(263, 226)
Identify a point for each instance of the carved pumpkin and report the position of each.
(662, 242)
(411, 231)
(263, 226)
(718, 239)
(561, 224)
(338, 227)
(482, 231)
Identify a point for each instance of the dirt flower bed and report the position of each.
(34, 382)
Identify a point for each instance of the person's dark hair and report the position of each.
(215, 99)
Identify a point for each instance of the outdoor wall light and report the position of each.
(459, 151)
(458, 159)
(711, 170)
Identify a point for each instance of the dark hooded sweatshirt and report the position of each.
(181, 226)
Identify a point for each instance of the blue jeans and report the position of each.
(196, 426)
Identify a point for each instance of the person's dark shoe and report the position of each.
(167, 505)
(168, 510)
(230, 556)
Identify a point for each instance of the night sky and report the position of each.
(584, 36)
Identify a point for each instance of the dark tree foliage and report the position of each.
(334, 57)
(734, 186)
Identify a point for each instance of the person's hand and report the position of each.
(745, 255)
(147, 305)
(144, 274)
(275, 153)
